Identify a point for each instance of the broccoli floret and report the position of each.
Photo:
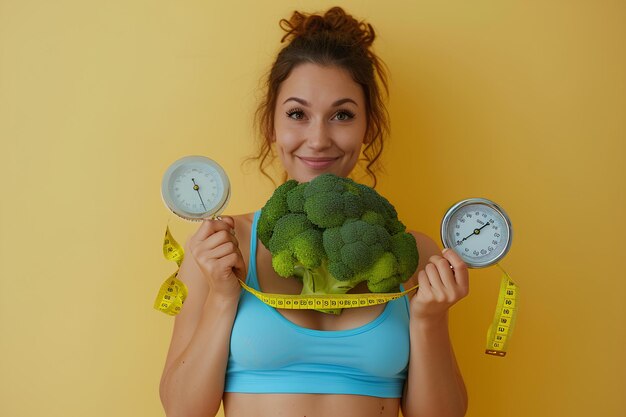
(295, 241)
(295, 198)
(330, 200)
(275, 208)
(333, 233)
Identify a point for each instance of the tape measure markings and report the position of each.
(503, 322)
(323, 301)
(173, 292)
(172, 249)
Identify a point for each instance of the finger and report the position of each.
(240, 267)
(203, 231)
(222, 250)
(445, 271)
(236, 263)
(217, 239)
(228, 220)
(434, 280)
(461, 272)
(424, 290)
(208, 228)
(454, 258)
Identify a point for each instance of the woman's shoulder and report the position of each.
(243, 217)
(426, 247)
(243, 220)
(243, 227)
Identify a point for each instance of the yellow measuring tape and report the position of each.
(324, 301)
(173, 292)
(501, 328)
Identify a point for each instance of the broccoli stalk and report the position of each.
(333, 233)
(320, 281)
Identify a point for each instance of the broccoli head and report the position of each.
(334, 233)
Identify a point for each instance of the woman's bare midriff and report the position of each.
(308, 405)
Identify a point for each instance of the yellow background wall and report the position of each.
(522, 102)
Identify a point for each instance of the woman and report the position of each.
(323, 107)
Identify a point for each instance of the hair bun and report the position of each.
(334, 20)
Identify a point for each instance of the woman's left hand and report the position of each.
(442, 282)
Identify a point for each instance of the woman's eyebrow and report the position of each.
(335, 104)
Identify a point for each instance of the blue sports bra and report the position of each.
(270, 354)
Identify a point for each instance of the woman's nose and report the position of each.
(318, 136)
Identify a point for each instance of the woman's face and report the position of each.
(319, 122)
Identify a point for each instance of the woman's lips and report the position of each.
(317, 163)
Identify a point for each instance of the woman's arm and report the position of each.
(192, 383)
(434, 385)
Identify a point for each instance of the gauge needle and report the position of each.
(476, 232)
(197, 188)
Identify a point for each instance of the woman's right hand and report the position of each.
(215, 249)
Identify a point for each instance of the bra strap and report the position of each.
(251, 278)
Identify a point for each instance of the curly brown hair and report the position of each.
(333, 38)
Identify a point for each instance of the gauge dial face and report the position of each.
(478, 230)
(195, 188)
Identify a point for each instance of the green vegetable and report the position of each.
(333, 233)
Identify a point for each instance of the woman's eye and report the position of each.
(344, 115)
(295, 114)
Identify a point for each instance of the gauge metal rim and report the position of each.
(452, 210)
(219, 208)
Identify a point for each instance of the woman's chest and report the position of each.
(262, 339)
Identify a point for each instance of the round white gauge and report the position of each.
(478, 230)
(195, 188)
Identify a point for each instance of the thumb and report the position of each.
(239, 269)
(229, 221)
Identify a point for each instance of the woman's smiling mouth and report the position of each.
(318, 163)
